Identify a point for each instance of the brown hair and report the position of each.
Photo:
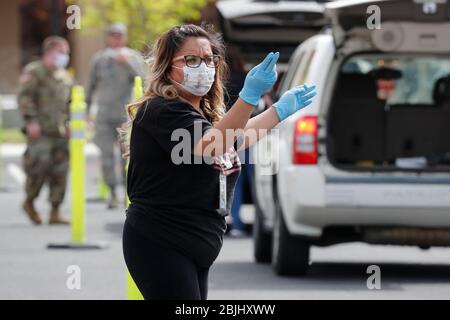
(159, 84)
(52, 42)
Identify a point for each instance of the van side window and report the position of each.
(291, 72)
(302, 72)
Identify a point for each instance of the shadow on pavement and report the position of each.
(329, 276)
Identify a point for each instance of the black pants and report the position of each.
(161, 273)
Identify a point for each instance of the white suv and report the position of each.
(369, 159)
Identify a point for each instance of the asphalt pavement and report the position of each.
(29, 270)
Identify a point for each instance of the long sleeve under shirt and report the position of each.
(173, 204)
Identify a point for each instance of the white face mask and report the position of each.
(62, 60)
(197, 81)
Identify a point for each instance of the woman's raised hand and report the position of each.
(293, 100)
(260, 79)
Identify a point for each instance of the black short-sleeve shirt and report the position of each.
(173, 203)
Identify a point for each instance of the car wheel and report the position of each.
(262, 239)
(290, 255)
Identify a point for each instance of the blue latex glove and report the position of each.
(293, 100)
(260, 79)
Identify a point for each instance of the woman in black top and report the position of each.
(182, 145)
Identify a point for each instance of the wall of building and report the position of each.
(84, 46)
(9, 46)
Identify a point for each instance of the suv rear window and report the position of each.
(391, 112)
(402, 79)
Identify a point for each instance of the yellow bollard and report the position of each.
(138, 90)
(77, 163)
(133, 292)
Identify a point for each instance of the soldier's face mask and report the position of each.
(61, 60)
(197, 81)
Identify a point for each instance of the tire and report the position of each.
(290, 255)
(262, 239)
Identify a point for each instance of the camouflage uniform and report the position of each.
(44, 97)
(110, 86)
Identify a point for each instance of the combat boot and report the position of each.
(56, 217)
(31, 212)
(112, 202)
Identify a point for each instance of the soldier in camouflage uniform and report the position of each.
(110, 86)
(43, 101)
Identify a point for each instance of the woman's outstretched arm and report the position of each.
(222, 136)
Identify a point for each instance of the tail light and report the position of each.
(305, 149)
